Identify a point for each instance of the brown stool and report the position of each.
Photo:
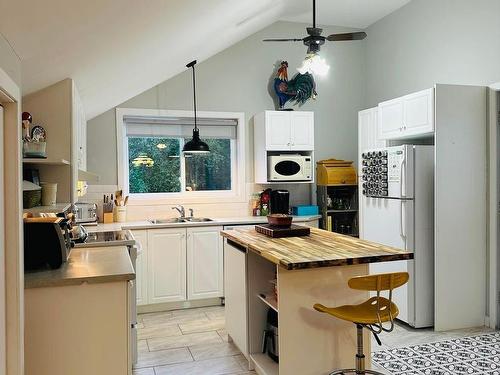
(370, 314)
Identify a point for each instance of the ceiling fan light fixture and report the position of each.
(315, 65)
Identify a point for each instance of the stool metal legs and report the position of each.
(360, 359)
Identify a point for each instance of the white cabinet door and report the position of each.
(302, 131)
(419, 113)
(141, 267)
(368, 132)
(205, 263)
(166, 265)
(390, 119)
(277, 130)
(235, 289)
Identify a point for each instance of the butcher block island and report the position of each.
(290, 275)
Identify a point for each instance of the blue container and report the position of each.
(305, 210)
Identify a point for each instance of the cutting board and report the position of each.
(279, 232)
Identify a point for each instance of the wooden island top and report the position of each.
(320, 249)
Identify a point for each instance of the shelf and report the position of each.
(264, 364)
(270, 301)
(340, 185)
(341, 211)
(58, 207)
(45, 161)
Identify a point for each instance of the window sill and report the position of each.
(166, 199)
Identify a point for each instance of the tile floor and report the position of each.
(194, 342)
(187, 342)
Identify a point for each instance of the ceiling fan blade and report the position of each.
(346, 36)
(282, 40)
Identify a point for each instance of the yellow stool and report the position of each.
(370, 314)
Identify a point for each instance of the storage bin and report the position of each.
(305, 210)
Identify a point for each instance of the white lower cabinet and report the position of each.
(235, 288)
(166, 272)
(179, 264)
(205, 263)
(141, 266)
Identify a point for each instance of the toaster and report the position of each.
(47, 242)
(85, 213)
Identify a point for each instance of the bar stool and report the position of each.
(370, 314)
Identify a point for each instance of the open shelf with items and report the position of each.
(338, 206)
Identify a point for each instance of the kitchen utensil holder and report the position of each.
(120, 214)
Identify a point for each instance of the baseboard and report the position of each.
(158, 307)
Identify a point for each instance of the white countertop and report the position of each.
(144, 224)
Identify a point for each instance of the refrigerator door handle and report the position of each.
(402, 180)
(402, 222)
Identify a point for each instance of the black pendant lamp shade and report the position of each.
(195, 145)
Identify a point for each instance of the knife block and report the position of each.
(107, 217)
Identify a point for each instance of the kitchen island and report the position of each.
(308, 270)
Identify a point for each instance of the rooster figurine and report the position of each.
(299, 89)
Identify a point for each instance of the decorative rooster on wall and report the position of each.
(298, 90)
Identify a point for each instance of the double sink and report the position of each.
(180, 220)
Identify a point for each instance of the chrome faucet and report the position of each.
(181, 210)
(191, 212)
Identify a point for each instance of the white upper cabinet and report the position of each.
(166, 265)
(286, 130)
(408, 116)
(390, 118)
(277, 126)
(419, 113)
(205, 263)
(302, 131)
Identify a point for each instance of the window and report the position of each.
(152, 164)
(155, 166)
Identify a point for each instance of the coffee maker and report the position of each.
(280, 202)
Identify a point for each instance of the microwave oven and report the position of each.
(289, 167)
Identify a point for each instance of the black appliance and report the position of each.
(280, 202)
(270, 342)
(47, 242)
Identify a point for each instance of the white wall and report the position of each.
(237, 80)
(9, 61)
(433, 41)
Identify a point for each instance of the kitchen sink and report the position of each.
(180, 220)
(168, 221)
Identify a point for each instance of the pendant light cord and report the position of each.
(314, 13)
(191, 65)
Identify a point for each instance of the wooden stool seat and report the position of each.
(365, 313)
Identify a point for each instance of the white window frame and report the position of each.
(237, 192)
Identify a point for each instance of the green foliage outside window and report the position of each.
(202, 172)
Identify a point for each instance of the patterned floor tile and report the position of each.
(477, 354)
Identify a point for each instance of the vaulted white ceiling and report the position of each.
(116, 49)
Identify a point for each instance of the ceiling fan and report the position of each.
(314, 40)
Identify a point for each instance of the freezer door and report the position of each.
(400, 162)
(390, 222)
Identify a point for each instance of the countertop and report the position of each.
(320, 249)
(144, 224)
(92, 265)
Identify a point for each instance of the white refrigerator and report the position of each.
(397, 209)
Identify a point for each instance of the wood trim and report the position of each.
(14, 268)
(235, 196)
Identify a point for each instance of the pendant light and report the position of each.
(195, 145)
